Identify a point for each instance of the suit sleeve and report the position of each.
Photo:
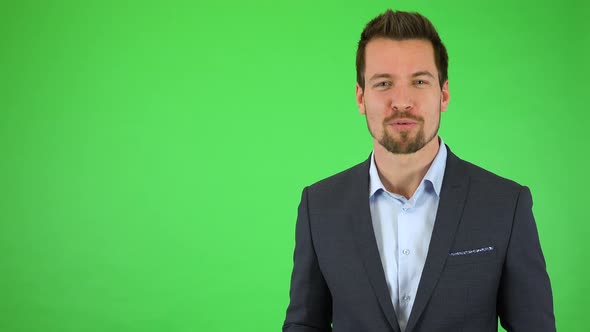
(310, 306)
(525, 302)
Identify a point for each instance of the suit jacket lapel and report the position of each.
(364, 234)
(450, 208)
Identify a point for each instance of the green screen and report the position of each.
(153, 153)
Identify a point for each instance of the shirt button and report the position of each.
(406, 298)
(406, 252)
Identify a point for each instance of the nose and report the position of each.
(401, 100)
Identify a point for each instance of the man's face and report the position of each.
(402, 99)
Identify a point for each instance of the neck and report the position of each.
(402, 173)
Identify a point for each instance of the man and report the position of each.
(414, 238)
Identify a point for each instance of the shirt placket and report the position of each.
(405, 263)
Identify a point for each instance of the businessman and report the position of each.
(414, 239)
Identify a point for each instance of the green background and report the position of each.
(153, 153)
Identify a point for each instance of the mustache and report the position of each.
(404, 115)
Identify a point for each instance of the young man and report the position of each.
(414, 238)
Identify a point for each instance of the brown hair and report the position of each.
(399, 25)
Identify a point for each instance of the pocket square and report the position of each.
(472, 251)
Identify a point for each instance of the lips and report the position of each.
(403, 124)
(403, 121)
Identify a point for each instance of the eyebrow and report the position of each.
(423, 73)
(377, 76)
(416, 74)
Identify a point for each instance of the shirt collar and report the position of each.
(434, 175)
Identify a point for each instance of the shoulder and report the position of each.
(345, 186)
(343, 178)
(485, 183)
(479, 174)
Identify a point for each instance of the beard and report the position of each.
(406, 143)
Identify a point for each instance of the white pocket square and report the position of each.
(472, 251)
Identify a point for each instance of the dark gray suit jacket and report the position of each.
(338, 283)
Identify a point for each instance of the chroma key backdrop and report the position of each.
(153, 153)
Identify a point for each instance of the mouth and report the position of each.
(403, 124)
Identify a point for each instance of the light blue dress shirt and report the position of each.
(403, 228)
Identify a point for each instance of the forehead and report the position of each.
(399, 57)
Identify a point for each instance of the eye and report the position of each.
(420, 82)
(382, 84)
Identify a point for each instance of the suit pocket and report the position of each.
(472, 256)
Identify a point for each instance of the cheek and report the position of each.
(374, 108)
(374, 115)
(433, 100)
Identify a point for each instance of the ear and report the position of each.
(445, 96)
(360, 99)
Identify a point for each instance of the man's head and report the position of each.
(401, 26)
(402, 82)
